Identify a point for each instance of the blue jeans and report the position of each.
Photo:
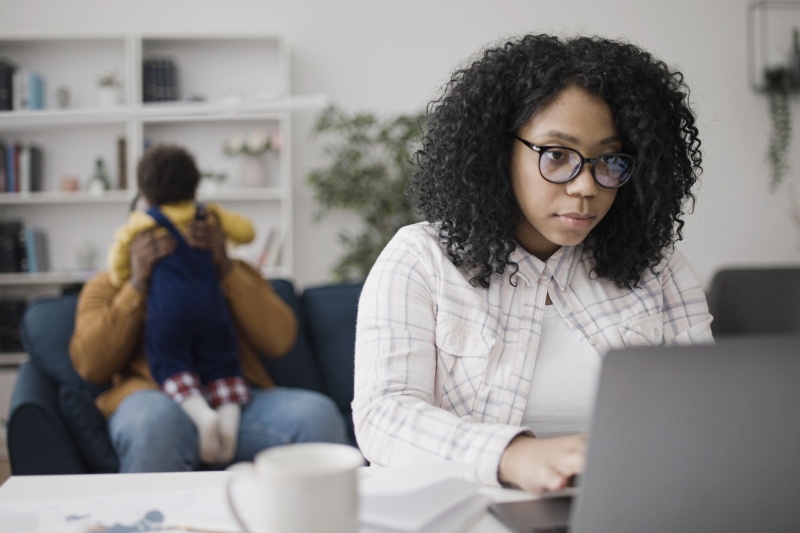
(151, 433)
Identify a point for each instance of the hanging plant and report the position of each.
(368, 173)
(778, 87)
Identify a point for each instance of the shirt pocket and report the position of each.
(463, 356)
(644, 331)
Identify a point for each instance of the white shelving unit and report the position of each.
(243, 81)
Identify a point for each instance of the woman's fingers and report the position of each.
(539, 465)
(573, 457)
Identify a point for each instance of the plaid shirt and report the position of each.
(443, 369)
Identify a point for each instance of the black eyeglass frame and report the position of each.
(541, 149)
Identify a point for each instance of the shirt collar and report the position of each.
(561, 265)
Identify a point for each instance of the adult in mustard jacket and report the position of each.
(150, 432)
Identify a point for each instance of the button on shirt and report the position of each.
(444, 369)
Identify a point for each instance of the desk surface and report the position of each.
(33, 488)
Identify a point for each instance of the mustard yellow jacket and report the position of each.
(235, 227)
(108, 341)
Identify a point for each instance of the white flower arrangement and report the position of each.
(257, 143)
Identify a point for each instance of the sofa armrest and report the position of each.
(38, 442)
(331, 313)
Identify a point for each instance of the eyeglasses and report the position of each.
(558, 164)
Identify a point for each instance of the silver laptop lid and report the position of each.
(704, 438)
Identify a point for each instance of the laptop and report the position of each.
(701, 438)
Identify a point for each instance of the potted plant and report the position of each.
(255, 148)
(108, 90)
(369, 171)
(778, 86)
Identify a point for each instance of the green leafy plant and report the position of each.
(368, 174)
(110, 79)
(778, 87)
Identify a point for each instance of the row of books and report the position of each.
(160, 80)
(20, 88)
(21, 168)
(22, 249)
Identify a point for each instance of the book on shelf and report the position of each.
(23, 249)
(122, 163)
(159, 80)
(6, 85)
(27, 90)
(36, 253)
(24, 179)
(3, 167)
(11, 312)
(36, 168)
(271, 250)
(266, 257)
(10, 166)
(22, 168)
(10, 254)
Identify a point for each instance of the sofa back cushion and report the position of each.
(299, 368)
(331, 313)
(46, 331)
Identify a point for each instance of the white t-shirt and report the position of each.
(564, 381)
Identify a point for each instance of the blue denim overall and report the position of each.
(189, 327)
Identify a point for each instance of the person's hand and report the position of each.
(207, 236)
(539, 465)
(146, 250)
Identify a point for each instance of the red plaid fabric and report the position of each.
(227, 390)
(181, 385)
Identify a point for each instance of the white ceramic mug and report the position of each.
(304, 488)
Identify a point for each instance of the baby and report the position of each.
(190, 340)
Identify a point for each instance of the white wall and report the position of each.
(393, 57)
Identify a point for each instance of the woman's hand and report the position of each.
(146, 250)
(539, 465)
(206, 236)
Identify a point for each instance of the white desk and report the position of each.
(27, 489)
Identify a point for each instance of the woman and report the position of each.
(553, 175)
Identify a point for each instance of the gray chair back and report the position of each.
(755, 301)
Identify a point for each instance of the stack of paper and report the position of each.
(418, 499)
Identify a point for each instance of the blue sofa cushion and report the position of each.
(87, 427)
(331, 314)
(46, 331)
(298, 368)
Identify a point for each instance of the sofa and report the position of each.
(54, 428)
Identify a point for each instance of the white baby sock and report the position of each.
(229, 415)
(207, 422)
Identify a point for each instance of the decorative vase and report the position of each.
(107, 96)
(255, 172)
(274, 166)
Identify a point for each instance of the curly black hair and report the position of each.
(462, 180)
(167, 174)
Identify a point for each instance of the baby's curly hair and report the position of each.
(462, 183)
(167, 174)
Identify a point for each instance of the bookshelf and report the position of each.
(229, 84)
(238, 83)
